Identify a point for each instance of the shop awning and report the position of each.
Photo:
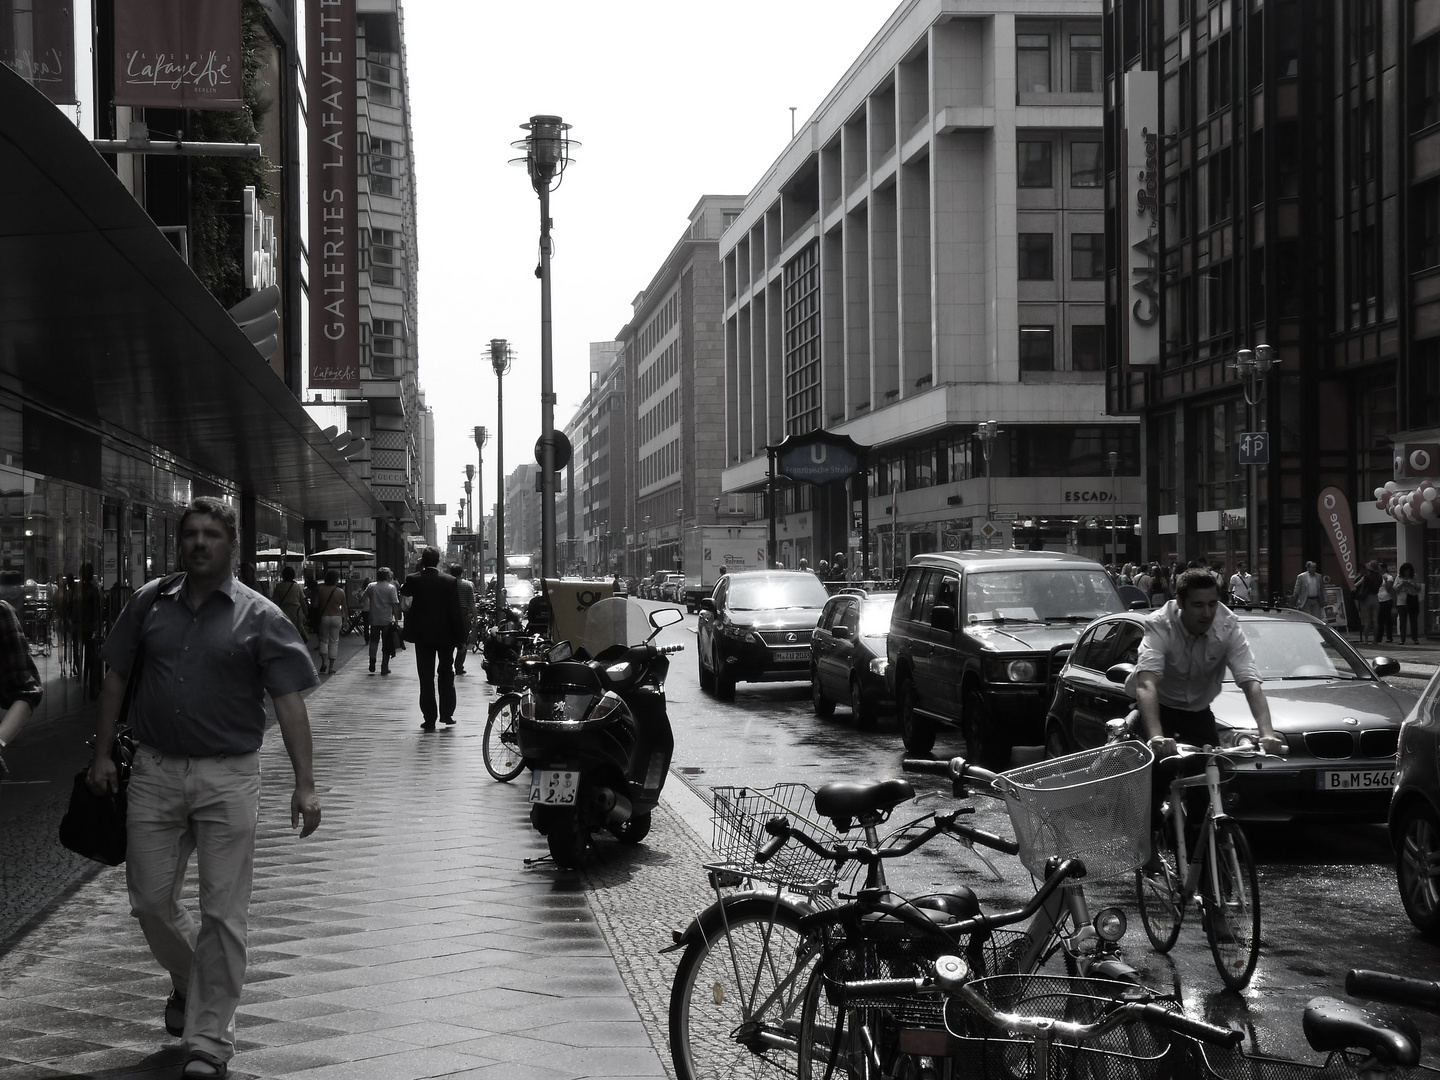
(101, 319)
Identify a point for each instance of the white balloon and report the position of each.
(1427, 509)
(1431, 494)
(1391, 485)
(1379, 491)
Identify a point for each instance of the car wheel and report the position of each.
(707, 677)
(864, 714)
(916, 732)
(724, 683)
(823, 705)
(1417, 866)
(986, 747)
(1056, 745)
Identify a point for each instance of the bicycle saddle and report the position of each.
(843, 802)
(1332, 1024)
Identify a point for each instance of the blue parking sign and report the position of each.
(1255, 448)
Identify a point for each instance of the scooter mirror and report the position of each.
(560, 651)
(666, 616)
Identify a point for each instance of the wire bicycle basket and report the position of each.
(740, 814)
(1134, 1050)
(1093, 806)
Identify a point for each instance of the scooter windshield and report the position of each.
(616, 620)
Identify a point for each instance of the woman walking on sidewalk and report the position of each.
(1407, 603)
(331, 597)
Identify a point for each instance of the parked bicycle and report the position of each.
(500, 747)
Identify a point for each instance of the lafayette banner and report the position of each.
(178, 54)
(37, 42)
(334, 144)
(1339, 526)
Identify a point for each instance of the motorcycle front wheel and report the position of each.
(501, 745)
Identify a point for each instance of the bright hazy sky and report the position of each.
(670, 100)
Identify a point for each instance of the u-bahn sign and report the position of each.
(818, 457)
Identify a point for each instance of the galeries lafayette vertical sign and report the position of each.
(334, 248)
(1141, 236)
(178, 54)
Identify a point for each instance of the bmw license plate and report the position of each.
(792, 657)
(554, 787)
(1357, 779)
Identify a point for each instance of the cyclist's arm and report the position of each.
(1260, 710)
(1147, 700)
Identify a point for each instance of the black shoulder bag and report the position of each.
(94, 825)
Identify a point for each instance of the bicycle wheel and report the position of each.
(735, 1003)
(1233, 925)
(1159, 892)
(833, 1042)
(502, 739)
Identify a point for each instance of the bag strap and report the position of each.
(133, 681)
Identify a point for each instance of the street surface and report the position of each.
(1328, 896)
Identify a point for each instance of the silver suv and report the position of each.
(977, 638)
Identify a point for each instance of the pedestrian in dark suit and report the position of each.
(435, 625)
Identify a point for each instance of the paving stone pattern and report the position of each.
(404, 939)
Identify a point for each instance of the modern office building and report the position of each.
(1291, 198)
(926, 256)
(522, 510)
(674, 368)
(133, 252)
(591, 508)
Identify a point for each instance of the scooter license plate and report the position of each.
(554, 787)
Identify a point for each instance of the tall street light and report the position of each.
(469, 506)
(1253, 366)
(480, 437)
(547, 153)
(987, 431)
(500, 360)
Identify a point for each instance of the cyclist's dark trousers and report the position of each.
(1198, 729)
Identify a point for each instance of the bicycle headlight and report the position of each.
(1020, 670)
(1110, 924)
(879, 666)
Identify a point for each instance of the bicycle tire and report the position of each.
(1161, 895)
(757, 950)
(1234, 930)
(829, 1045)
(501, 746)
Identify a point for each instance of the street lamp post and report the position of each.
(480, 437)
(679, 530)
(988, 430)
(1114, 460)
(547, 153)
(1253, 366)
(500, 359)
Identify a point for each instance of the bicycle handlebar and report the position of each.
(1396, 989)
(782, 831)
(957, 769)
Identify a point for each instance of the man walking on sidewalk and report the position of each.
(434, 626)
(381, 600)
(207, 650)
(467, 613)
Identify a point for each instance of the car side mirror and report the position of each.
(942, 618)
(1385, 666)
(707, 604)
(1139, 605)
(841, 631)
(1119, 673)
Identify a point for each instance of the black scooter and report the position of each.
(594, 730)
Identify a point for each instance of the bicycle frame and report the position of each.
(1188, 871)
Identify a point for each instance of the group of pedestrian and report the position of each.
(1157, 581)
(1381, 596)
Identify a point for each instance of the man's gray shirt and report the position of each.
(205, 675)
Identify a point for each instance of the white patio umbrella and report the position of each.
(353, 554)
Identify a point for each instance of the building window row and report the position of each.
(660, 371)
(382, 78)
(1087, 256)
(385, 165)
(659, 325)
(1037, 348)
(802, 342)
(665, 414)
(386, 247)
(1035, 164)
(660, 465)
(1050, 59)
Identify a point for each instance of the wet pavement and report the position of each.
(405, 938)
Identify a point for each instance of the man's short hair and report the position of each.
(1194, 580)
(222, 512)
(456, 570)
(430, 557)
(287, 574)
(383, 573)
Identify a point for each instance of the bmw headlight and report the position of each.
(1020, 670)
(1238, 736)
(879, 666)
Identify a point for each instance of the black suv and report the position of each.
(977, 637)
(755, 626)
